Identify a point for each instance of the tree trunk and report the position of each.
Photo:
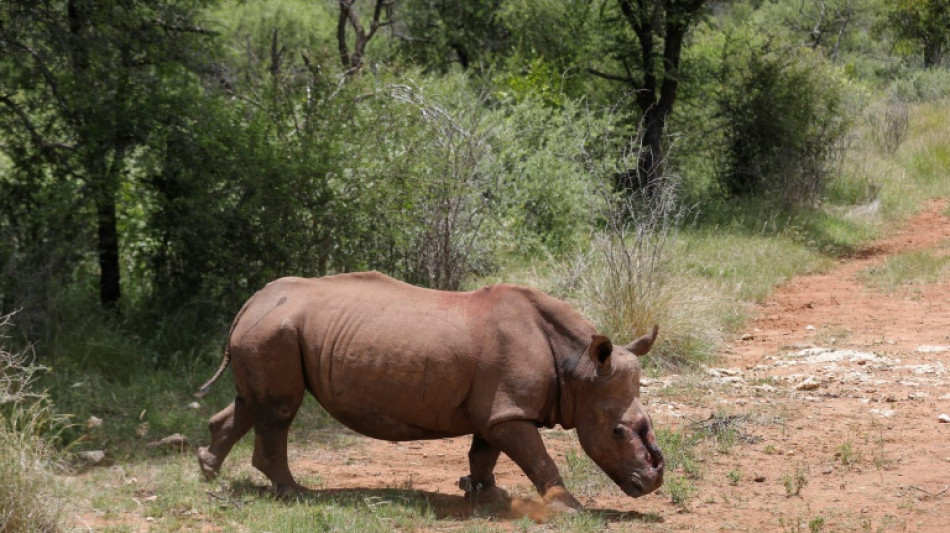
(650, 159)
(932, 55)
(108, 250)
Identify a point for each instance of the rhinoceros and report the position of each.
(398, 362)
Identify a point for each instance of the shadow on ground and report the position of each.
(442, 506)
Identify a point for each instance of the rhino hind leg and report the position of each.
(482, 457)
(271, 428)
(227, 427)
(480, 486)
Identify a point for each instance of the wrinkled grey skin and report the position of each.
(397, 362)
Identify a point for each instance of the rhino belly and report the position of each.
(395, 398)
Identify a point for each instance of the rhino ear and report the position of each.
(599, 351)
(642, 345)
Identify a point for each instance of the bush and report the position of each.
(921, 85)
(781, 114)
(28, 499)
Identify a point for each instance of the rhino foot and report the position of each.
(479, 493)
(208, 463)
(290, 491)
(558, 499)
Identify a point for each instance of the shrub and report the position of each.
(886, 125)
(781, 115)
(921, 85)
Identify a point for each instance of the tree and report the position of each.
(352, 59)
(85, 84)
(439, 33)
(650, 64)
(920, 24)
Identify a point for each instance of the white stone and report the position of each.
(93, 457)
(933, 349)
(810, 383)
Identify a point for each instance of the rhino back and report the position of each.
(397, 362)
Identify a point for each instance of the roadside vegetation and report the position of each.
(161, 162)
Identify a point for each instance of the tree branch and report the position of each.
(31, 128)
(612, 77)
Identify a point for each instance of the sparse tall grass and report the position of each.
(28, 489)
(628, 280)
(912, 268)
(918, 169)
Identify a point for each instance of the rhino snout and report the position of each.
(649, 476)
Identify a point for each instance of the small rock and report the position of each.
(92, 457)
(759, 479)
(176, 442)
(809, 327)
(747, 337)
(809, 383)
(944, 418)
(826, 471)
(194, 405)
(93, 422)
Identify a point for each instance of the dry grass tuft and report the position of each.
(28, 500)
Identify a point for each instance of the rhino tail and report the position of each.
(225, 361)
(224, 365)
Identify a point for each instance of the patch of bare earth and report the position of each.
(834, 392)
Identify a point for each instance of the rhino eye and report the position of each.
(619, 432)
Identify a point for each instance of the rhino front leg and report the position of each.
(521, 442)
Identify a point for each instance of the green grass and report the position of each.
(913, 268)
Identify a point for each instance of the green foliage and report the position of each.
(781, 121)
(83, 89)
(443, 33)
(680, 489)
(919, 26)
(679, 451)
(921, 85)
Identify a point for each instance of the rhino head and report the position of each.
(612, 426)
